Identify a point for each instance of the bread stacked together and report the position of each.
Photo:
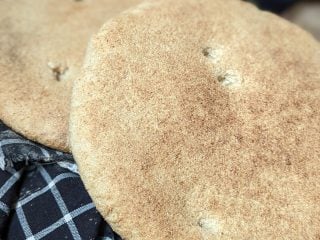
(189, 119)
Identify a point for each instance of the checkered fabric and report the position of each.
(42, 196)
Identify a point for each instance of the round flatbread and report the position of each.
(42, 45)
(201, 122)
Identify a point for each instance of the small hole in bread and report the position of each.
(58, 70)
(230, 78)
(209, 225)
(214, 54)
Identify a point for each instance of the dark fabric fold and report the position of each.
(42, 195)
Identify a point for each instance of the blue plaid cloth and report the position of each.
(42, 196)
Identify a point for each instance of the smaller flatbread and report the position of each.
(42, 45)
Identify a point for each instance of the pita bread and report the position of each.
(199, 119)
(42, 45)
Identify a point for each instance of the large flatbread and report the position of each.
(200, 119)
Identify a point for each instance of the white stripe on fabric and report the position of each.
(62, 206)
(75, 213)
(4, 207)
(9, 183)
(16, 141)
(23, 222)
(46, 188)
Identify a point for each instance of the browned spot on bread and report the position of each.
(58, 71)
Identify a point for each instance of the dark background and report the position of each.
(304, 13)
(277, 6)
